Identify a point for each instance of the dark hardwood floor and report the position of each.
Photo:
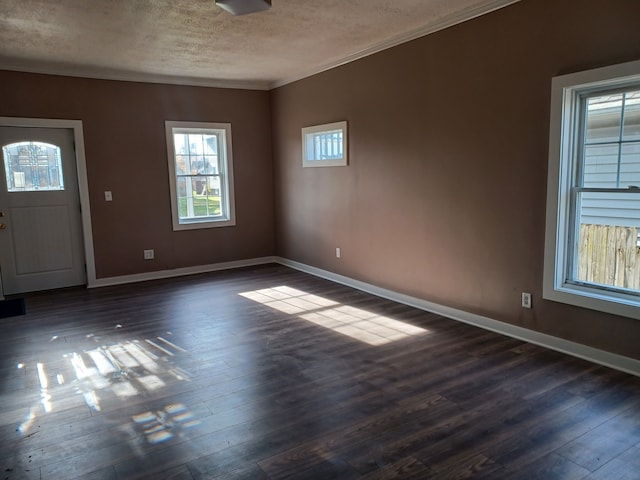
(269, 373)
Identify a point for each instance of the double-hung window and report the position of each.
(592, 252)
(201, 174)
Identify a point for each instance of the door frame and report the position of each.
(83, 183)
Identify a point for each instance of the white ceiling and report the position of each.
(195, 42)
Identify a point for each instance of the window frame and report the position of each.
(567, 92)
(325, 129)
(227, 217)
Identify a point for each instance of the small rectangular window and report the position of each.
(201, 174)
(325, 145)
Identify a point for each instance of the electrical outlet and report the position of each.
(526, 300)
(337, 252)
(149, 254)
(108, 196)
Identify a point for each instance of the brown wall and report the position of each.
(125, 149)
(445, 195)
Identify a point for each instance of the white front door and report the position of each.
(41, 242)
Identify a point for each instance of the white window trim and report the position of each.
(325, 128)
(564, 92)
(229, 218)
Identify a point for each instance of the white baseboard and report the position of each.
(178, 272)
(601, 357)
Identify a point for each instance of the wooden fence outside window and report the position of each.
(609, 255)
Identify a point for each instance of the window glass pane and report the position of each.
(604, 114)
(325, 145)
(601, 166)
(631, 129)
(210, 144)
(214, 188)
(195, 144)
(608, 252)
(199, 186)
(209, 164)
(33, 166)
(181, 165)
(213, 200)
(181, 141)
(630, 165)
(181, 192)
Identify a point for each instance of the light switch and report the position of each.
(107, 196)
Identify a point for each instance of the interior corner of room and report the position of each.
(441, 202)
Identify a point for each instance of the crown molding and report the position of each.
(127, 76)
(443, 23)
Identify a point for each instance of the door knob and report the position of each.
(2, 226)
(1, 214)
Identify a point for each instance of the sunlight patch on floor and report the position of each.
(357, 323)
(120, 370)
(160, 426)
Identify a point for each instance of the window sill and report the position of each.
(199, 224)
(594, 299)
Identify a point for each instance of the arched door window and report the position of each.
(33, 166)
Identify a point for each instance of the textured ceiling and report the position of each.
(196, 42)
